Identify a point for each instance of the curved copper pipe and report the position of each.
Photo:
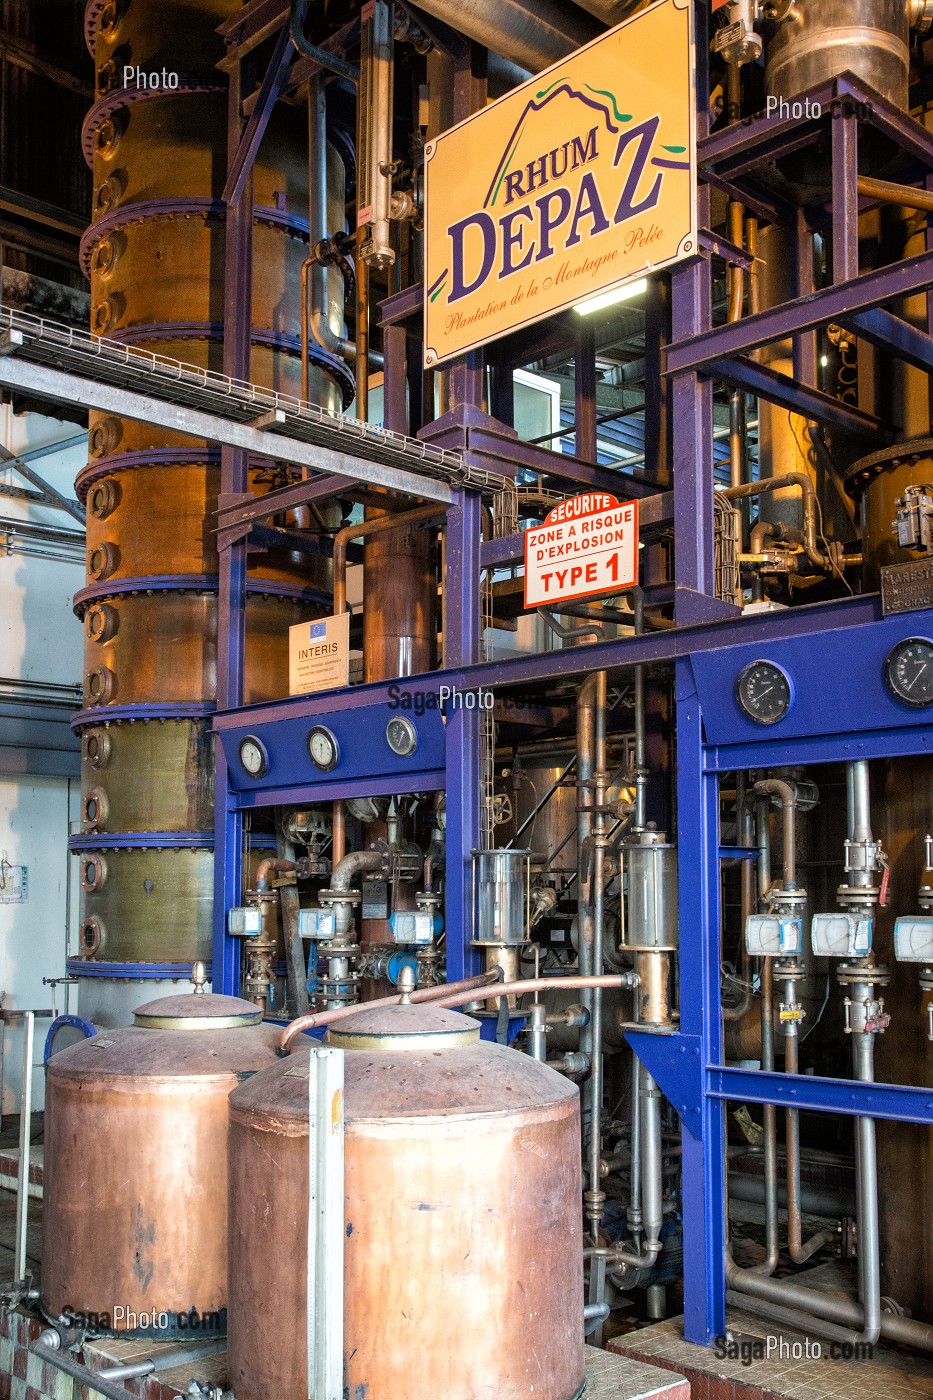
(363, 530)
(272, 865)
(316, 1019)
(454, 994)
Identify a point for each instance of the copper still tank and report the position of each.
(136, 1165)
(155, 256)
(463, 1252)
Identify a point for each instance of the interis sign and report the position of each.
(574, 184)
(585, 546)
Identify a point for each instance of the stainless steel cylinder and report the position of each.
(823, 38)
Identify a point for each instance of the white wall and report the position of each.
(40, 640)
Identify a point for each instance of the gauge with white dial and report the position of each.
(401, 736)
(764, 692)
(253, 756)
(908, 671)
(323, 748)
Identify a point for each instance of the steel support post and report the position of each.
(231, 603)
(462, 646)
(704, 1184)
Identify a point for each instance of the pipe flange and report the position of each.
(330, 898)
(333, 948)
(858, 896)
(789, 970)
(862, 473)
(869, 974)
(926, 979)
(117, 98)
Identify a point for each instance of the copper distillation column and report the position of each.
(155, 255)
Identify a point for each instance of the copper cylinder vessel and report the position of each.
(134, 1219)
(155, 254)
(877, 482)
(463, 1250)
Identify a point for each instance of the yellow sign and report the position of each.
(575, 184)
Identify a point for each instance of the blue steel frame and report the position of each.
(707, 646)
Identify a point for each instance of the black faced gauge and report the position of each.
(323, 748)
(401, 736)
(908, 671)
(764, 692)
(253, 756)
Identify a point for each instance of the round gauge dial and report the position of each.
(401, 736)
(764, 692)
(323, 748)
(253, 756)
(908, 671)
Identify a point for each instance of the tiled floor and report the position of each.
(619, 1378)
(889, 1375)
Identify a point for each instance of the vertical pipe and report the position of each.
(596, 1197)
(869, 1247)
(25, 1134)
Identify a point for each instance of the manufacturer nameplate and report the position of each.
(907, 587)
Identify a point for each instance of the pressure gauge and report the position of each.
(253, 756)
(908, 671)
(323, 748)
(764, 692)
(401, 736)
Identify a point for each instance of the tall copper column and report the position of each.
(155, 254)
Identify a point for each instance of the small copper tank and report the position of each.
(134, 1233)
(463, 1264)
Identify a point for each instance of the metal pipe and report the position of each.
(314, 1020)
(831, 1307)
(745, 824)
(652, 1179)
(363, 530)
(94, 1380)
(776, 787)
(313, 273)
(531, 33)
(272, 865)
(641, 760)
(456, 994)
(904, 195)
(332, 61)
(869, 1242)
(594, 1197)
(778, 483)
(346, 872)
(25, 1135)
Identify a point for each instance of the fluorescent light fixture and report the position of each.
(626, 293)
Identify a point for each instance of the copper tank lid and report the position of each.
(417, 1027)
(194, 1011)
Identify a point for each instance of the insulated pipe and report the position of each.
(484, 987)
(345, 874)
(778, 483)
(531, 33)
(363, 530)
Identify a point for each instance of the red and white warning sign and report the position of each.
(586, 545)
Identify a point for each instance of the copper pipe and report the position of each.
(363, 530)
(316, 1019)
(455, 994)
(777, 483)
(272, 865)
(889, 193)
